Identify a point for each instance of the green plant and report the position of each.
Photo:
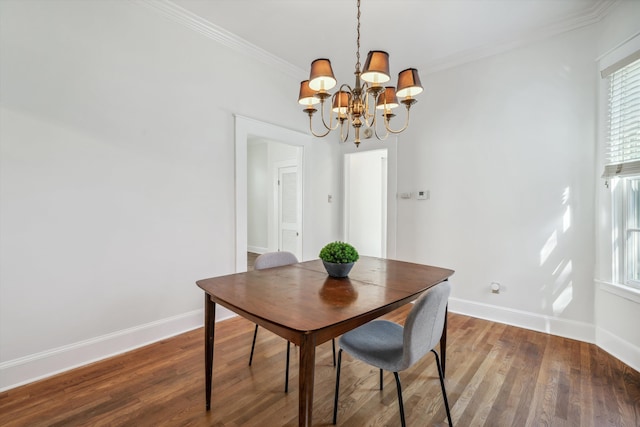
(339, 253)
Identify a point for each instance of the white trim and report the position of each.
(33, 367)
(222, 36)
(594, 15)
(623, 50)
(622, 291)
(537, 322)
(196, 23)
(618, 348)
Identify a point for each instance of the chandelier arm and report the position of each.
(328, 127)
(406, 123)
(367, 114)
(375, 131)
(343, 138)
(317, 135)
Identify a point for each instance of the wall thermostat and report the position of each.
(422, 195)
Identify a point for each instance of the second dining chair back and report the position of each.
(271, 260)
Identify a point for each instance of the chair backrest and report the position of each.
(425, 322)
(274, 259)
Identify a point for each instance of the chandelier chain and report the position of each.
(358, 41)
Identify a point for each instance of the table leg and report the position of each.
(209, 332)
(443, 341)
(307, 372)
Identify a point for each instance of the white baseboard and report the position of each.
(16, 372)
(618, 348)
(257, 249)
(551, 325)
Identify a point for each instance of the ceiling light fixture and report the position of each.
(356, 107)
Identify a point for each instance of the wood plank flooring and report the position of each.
(497, 375)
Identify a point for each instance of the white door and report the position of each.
(289, 211)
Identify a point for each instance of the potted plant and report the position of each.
(338, 258)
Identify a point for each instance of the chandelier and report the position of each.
(356, 107)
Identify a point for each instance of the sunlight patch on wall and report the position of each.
(563, 300)
(563, 276)
(565, 195)
(566, 219)
(548, 247)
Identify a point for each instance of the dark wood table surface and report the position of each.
(302, 304)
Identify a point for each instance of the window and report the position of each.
(632, 231)
(623, 169)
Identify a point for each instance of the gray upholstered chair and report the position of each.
(271, 260)
(391, 347)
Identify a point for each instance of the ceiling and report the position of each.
(425, 34)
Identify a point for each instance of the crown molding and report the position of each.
(599, 10)
(210, 30)
(226, 38)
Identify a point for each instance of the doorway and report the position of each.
(247, 129)
(365, 195)
(274, 197)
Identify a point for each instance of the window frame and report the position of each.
(619, 177)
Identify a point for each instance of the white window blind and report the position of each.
(623, 122)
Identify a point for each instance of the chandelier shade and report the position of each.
(388, 99)
(356, 107)
(341, 102)
(409, 83)
(321, 76)
(307, 95)
(376, 67)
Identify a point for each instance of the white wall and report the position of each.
(117, 180)
(616, 310)
(505, 146)
(258, 191)
(117, 176)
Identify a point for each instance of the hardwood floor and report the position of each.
(497, 375)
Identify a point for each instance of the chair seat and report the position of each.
(378, 343)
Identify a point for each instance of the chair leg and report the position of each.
(253, 345)
(335, 397)
(333, 343)
(400, 399)
(286, 375)
(444, 392)
(380, 379)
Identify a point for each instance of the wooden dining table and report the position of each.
(302, 304)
